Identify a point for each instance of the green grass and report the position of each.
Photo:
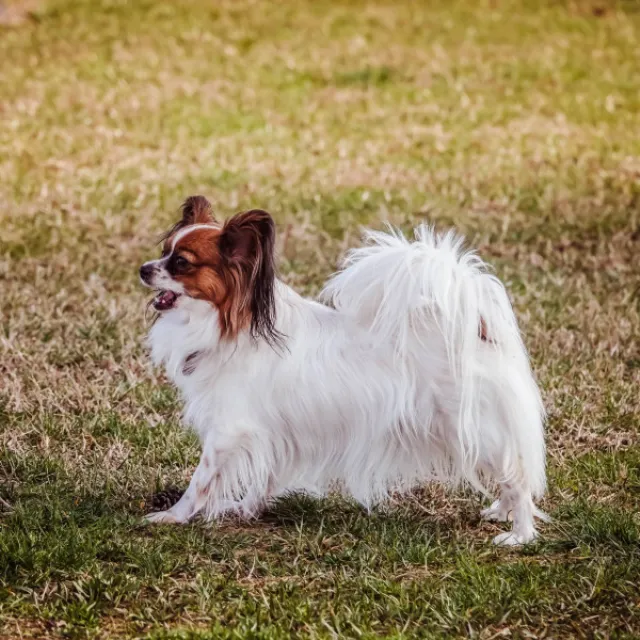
(514, 120)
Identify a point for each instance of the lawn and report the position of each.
(515, 120)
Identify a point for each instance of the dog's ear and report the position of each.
(195, 210)
(247, 244)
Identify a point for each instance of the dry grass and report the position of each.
(514, 120)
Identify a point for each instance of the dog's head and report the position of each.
(230, 265)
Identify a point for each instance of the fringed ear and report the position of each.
(195, 210)
(247, 248)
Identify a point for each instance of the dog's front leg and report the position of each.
(233, 475)
(193, 499)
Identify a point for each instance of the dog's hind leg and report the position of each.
(500, 510)
(521, 504)
(516, 504)
(514, 453)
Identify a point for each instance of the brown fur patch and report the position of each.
(247, 243)
(195, 210)
(232, 267)
(206, 278)
(482, 332)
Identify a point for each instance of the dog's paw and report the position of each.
(162, 517)
(511, 539)
(498, 511)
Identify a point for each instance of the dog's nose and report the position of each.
(146, 270)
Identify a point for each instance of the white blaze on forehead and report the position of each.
(194, 227)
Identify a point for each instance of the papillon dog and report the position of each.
(411, 369)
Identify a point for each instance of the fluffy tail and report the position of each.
(432, 300)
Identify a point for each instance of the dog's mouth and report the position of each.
(165, 300)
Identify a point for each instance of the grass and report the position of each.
(513, 120)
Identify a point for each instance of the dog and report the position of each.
(411, 369)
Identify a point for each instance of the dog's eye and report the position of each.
(180, 262)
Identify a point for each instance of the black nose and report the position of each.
(146, 270)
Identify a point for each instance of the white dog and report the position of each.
(415, 372)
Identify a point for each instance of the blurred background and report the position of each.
(514, 120)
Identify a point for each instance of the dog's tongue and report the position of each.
(164, 300)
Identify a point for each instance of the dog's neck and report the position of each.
(182, 337)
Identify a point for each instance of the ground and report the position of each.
(514, 120)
